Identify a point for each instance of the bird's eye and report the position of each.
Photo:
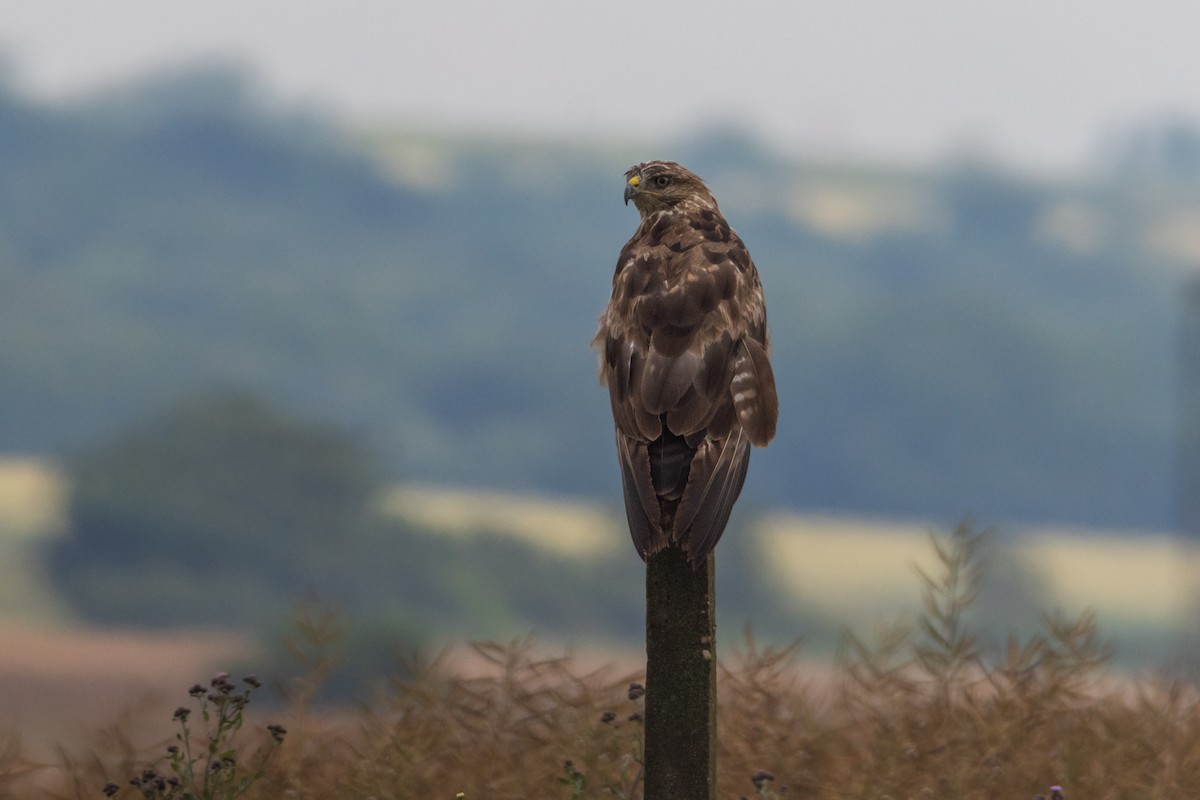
(662, 181)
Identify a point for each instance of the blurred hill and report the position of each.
(443, 565)
(962, 339)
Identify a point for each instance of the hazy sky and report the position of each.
(1036, 82)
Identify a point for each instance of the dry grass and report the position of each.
(914, 712)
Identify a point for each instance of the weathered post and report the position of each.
(681, 678)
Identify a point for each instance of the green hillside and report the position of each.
(958, 339)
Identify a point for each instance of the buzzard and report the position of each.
(684, 355)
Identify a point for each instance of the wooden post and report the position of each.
(681, 678)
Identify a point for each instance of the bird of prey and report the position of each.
(684, 355)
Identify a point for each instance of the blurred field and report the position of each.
(32, 505)
(59, 682)
(60, 685)
(562, 526)
(860, 569)
(32, 496)
(849, 568)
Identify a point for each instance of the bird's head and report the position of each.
(657, 185)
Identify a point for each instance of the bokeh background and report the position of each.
(295, 303)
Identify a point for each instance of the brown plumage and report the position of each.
(684, 355)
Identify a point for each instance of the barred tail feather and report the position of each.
(753, 390)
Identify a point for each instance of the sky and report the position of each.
(1036, 83)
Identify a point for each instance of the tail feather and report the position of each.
(718, 471)
(753, 390)
(670, 464)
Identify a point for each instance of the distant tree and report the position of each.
(220, 493)
(1166, 149)
(989, 206)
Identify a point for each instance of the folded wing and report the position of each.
(691, 388)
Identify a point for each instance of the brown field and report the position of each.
(60, 685)
(901, 718)
(914, 713)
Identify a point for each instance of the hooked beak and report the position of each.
(631, 188)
